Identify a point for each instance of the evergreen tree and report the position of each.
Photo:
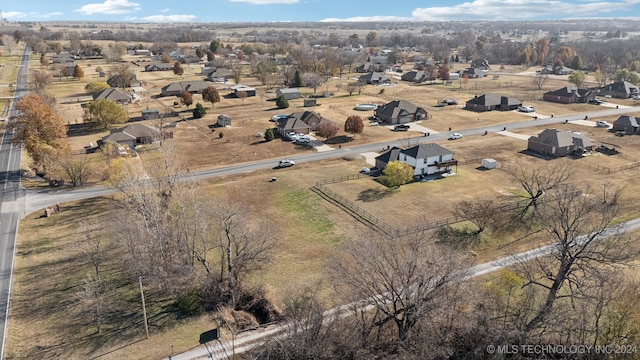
(199, 111)
(282, 102)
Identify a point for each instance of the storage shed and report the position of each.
(489, 163)
(289, 94)
(310, 102)
(223, 120)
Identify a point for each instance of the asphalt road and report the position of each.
(11, 200)
(223, 349)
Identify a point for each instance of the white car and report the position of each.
(286, 163)
(602, 124)
(303, 140)
(526, 109)
(455, 136)
(374, 123)
(292, 136)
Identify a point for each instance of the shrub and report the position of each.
(282, 102)
(189, 304)
(199, 111)
(268, 135)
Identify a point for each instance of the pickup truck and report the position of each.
(401, 127)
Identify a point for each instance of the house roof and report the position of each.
(621, 87)
(480, 63)
(374, 76)
(568, 90)
(562, 138)
(292, 122)
(164, 66)
(397, 108)
(131, 132)
(413, 75)
(289, 91)
(627, 120)
(424, 151)
(190, 86)
(390, 155)
(113, 94)
(494, 100)
(118, 81)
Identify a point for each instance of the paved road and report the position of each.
(11, 201)
(244, 342)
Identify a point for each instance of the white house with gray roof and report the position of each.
(425, 159)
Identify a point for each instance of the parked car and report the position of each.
(286, 163)
(401, 127)
(595, 101)
(455, 136)
(602, 124)
(526, 109)
(303, 139)
(373, 123)
(292, 136)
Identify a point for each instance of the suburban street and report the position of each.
(11, 197)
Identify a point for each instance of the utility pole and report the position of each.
(144, 308)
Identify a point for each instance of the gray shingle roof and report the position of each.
(424, 151)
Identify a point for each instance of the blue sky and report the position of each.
(313, 10)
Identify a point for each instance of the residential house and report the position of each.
(158, 67)
(371, 67)
(400, 112)
(118, 81)
(482, 64)
(555, 69)
(425, 159)
(133, 135)
(627, 124)
(292, 124)
(488, 102)
(471, 73)
(115, 95)
(375, 78)
(243, 90)
(288, 93)
(557, 142)
(220, 73)
(569, 95)
(311, 118)
(620, 90)
(416, 76)
(176, 88)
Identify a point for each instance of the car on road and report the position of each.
(401, 127)
(286, 163)
(455, 136)
(526, 109)
(595, 101)
(602, 124)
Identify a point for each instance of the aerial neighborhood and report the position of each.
(231, 186)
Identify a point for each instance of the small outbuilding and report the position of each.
(223, 120)
(289, 93)
(310, 102)
(489, 163)
(150, 114)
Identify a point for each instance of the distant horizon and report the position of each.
(283, 11)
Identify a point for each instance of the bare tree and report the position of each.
(540, 79)
(586, 246)
(244, 246)
(479, 212)
(92, 300)
(312, 80)
(92, 246)
(401, 280)
(78, 169)
(538, 179)
(40, 79)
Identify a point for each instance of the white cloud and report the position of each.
(267, 2)
(169, 18)
(111, 7)
(53, 14)
(13, 15)
(165, 10)
(506, 10)
(516, 9)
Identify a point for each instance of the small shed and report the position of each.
(310, 102)
(489, 163)
(223, 120)
(454, 76)
(289, 93)
(150, 114)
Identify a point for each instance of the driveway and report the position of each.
(415, 126)
(514, 135)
